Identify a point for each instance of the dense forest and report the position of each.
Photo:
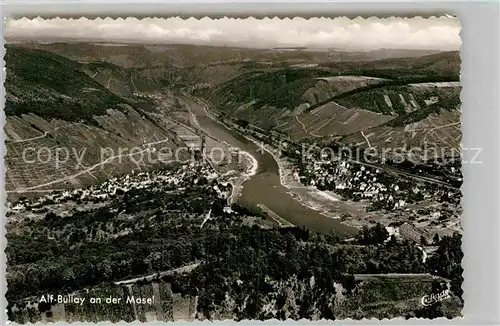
(145, 232)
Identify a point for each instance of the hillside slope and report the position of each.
(401, 99)
(336, 98)
(52, 86)
(64, 129)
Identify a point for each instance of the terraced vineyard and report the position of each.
(86, 153)
(399, 100)
(330, 119)
(65, 129)
(440, 130)
(328, 87)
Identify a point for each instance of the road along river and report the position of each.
(264, 188)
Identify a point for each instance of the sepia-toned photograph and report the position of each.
(168, 169)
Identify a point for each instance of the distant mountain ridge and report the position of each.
(188, 55)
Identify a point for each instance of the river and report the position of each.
(265, 186)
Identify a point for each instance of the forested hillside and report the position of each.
(52, 86)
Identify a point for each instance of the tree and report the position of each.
(393, 241)
(430, 312)
(447, 261)
(372, 236)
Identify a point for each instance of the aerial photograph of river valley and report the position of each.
(232, 169)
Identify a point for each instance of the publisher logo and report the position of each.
(433, 298)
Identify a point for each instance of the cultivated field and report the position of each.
(87, 153)
(331, 119)
(328, 87)
(442, 131)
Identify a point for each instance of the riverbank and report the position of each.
(308, 196)
(254, 164)
(251, 164)
(273, 184)
(237, 182)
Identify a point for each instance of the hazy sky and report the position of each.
(372, 33)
